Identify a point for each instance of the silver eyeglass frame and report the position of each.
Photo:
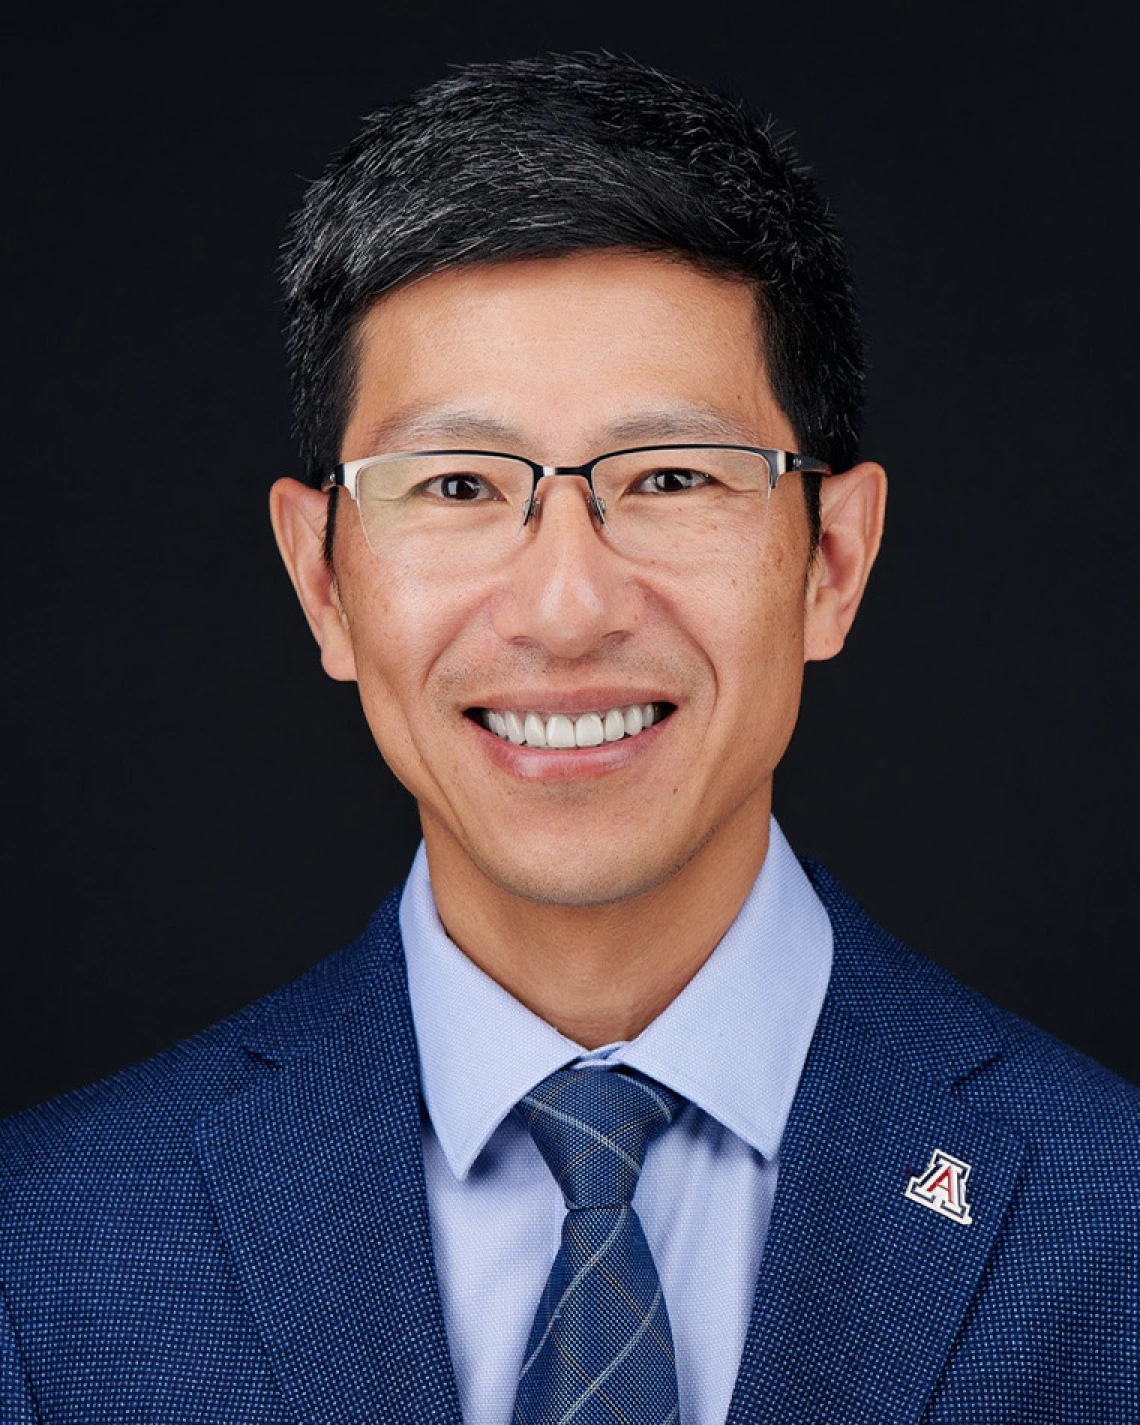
(347, 475)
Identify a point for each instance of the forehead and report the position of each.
(566, 355)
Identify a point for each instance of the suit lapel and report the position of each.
(862, 1290)
(316, 1175)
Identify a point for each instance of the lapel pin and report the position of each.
(942, 1187)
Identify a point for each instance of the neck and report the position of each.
(598, 973)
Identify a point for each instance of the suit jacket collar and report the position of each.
(316, 1176)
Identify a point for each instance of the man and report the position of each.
(616, 1112)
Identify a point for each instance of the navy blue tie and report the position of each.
(601, 1349)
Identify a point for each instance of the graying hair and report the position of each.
(561, 154)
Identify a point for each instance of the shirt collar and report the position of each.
(733, 1041)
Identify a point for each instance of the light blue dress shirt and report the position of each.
(733, 1043)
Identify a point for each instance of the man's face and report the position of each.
(561, 360)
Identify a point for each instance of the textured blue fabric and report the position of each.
(236, 1232)
(601, 1348)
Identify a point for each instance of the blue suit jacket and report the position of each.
(237, 1230)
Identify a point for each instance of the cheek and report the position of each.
(750, 624)
(400, 627)
(750, 617)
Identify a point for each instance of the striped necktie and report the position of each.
(601, 1348)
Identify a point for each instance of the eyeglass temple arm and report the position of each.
(803, 464)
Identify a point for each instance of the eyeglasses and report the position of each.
(473, 505)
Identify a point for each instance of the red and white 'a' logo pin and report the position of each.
(942, 1187)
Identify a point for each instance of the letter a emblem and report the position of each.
(942, 1187)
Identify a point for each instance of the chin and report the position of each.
(597, 880)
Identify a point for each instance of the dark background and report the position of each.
(196, 814)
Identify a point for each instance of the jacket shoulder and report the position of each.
(1000, 1062)
(146, 1113)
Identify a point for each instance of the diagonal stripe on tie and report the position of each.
(601, 1349)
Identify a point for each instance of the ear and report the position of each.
(852, 508)
(298, 514)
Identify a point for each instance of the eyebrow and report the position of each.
(437, 425)
(681, 422)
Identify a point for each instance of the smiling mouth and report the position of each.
(556, 731)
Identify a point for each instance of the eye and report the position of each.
(671, 480)
(460, 487)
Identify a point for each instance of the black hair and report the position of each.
(561, 154)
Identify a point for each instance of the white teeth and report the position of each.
(559, 731)
(588, 731)
(614, 726)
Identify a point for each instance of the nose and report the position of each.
(566, 589)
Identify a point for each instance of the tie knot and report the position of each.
(592, 1126)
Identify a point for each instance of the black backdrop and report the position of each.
(196, 814)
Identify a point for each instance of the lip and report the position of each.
(570, 704)
(565, 764)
